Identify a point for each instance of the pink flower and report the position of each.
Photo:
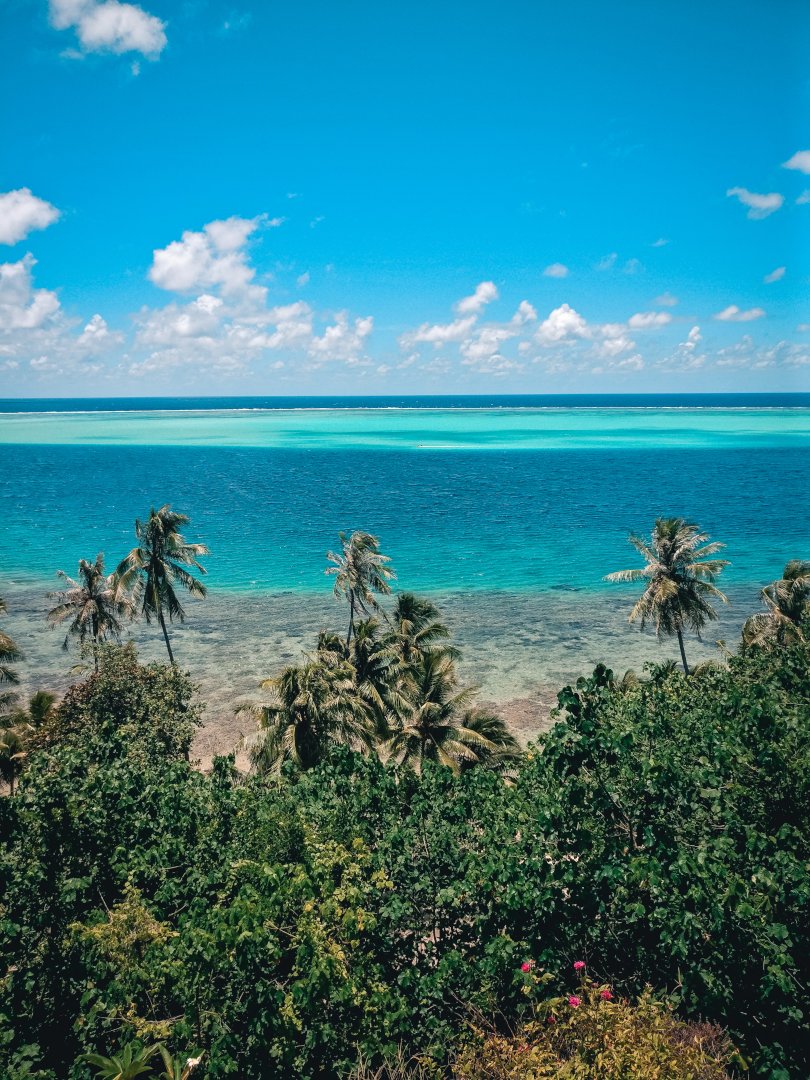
(574, 1001)
(552, 1019)
(527, 965)
(579, 965)
(606, 995)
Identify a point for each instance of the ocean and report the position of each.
(508, 512)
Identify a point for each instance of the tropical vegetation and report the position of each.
(395, 888)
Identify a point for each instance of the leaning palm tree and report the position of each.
(788, 605)
(438, 726)
(313, 706)
(679, 579)
(158, 564)
(96, 605)
(360, 572)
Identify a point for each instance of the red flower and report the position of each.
(527, 965)
(574, 1001)
(579, 965)
(552, 1019)
(606, 995)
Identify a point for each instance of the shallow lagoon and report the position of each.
(508, 517)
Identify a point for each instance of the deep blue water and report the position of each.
(425, 401)
(504, 520)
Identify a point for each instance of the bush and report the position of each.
(300, 925)
(590, 1034)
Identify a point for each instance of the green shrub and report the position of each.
(299, 925)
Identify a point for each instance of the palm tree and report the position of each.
(788, 604)
(679, 579)
(159, 563)
(360, 571)
(10, 653)
(16, 729)
(441, 725)
(96, 605)
(313, 706)
(416, 630)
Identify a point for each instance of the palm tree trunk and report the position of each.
(95, 642)
(165, 634)
(683, 651)
(351, 621)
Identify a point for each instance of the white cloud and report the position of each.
(800, 161)
(733, 314)
(485, 344)
(97, 336)
(803, 327)
(556, 270)
(212, 258)
(804, 198)
(615, 340)
(646, 320)
(525, 313)
(660, 242)
(484, 294)
(21, 212)
(666, 299)
(562, 325)
(686, 356)
(343, 340)
(632, 363)
(22, 307)
(775, 275)
(759, 206)
(302, 279)
(633, 266)
(607, 262)
(440, 333)
(110, 26)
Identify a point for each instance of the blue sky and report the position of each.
(201, 198)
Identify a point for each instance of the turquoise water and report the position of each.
(419, 429)
(510, 517)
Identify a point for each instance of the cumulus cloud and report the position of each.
(21, 212)
(212, 258)
(97, 337)
(556, 270)
(759, 206)
(804, 198)
(344, 340)
(110, 26)
(775, 275)
(799, 161)
(439, 334)
(562, 325)
(666, 299)
(22, 307)
(646, 320)
(686, 356)
(525, 313)
(734, 314)
(484, 294)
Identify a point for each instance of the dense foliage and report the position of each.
(293, 925)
